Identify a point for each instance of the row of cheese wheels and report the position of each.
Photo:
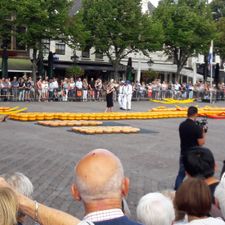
(58, 123)
(178, 108)
(3, 109)
(106, 130)
(95, 116)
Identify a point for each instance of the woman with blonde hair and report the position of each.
(8, 206)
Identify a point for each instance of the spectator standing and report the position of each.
(164, 87)
(72, 88)
(79, 86)
(28, 86)
(190, 92)
(50, 90)
(177, 88)
(109, 97)
(6, 85)
(85, 90)
(39, 89)
(65, 88)
(92, 88)
(98, 88)
(21, 89)
(55, 89)
(44, 90)
(15, 85)
(191, 135)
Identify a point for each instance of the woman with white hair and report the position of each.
(219, 195)
(22, 184)
(155, 209)
(8, 206)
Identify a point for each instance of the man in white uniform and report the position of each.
(127, 96)
(121, 94)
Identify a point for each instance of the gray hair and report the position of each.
(155, 208)
(111, 188)
(20, 183)
(219, 194)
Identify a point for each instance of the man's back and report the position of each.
(189, 132)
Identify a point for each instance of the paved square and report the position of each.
(47, 155)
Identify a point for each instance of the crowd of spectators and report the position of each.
(71, 89)
(100, 184)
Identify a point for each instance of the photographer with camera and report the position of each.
(192, 133)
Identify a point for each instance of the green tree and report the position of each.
(42, 20)
(188, 28)
(7, 12)
(149, 76)
(75, 71)
(76, 33)
(218, 9)
(218, 12)
(118, 28)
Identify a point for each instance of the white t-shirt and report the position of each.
(79, 84)
(207, 221)
(55, 84)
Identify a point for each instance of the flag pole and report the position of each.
(211, 72)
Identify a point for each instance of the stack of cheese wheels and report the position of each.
(57, 123)
(106, 129)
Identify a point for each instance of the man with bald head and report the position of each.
(99, 183)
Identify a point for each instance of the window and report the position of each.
(60, 48)
(98, 55)
(46, 46)
(86, 53)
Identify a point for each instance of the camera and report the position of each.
(203, 124)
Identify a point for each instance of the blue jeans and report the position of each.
(180, 175)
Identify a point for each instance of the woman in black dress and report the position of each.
(109, 97)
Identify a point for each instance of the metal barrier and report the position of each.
(17, 94)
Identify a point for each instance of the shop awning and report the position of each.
(18, 65)
(89, 66)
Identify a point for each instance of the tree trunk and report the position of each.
(179, 68)
(116, 74)
(34, 65)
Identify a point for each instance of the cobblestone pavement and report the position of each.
(47, 155)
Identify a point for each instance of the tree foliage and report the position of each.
(149, 76)
(218, 9)
(188, 28)
(118, 28)
(7, 13)
(75, 71)
(76, 32)
(42, 20)
(218, 12)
